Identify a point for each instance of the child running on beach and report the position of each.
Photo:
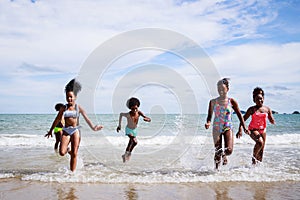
(258, 124)
(131, 129)
(70, 112)
(222, 125)
(58, 131)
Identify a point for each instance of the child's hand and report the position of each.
(147, 119)
(48, 134)
(239, 134)
(207, 125)
(247, 131)
(118, 129)
(98, 127)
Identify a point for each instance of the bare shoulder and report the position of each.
(267, 109)
(233, 101)
(141, 113)
(251, 110)
(213, 101)
(80, 109)
(124, 114)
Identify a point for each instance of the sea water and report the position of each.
(171, 148)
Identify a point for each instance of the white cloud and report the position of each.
(273, 67)
(60, 35)
(267, 63)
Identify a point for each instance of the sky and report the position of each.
(44, 44)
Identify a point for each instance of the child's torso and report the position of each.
(71, 115)
(223, 110)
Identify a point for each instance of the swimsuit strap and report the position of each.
(76, 110)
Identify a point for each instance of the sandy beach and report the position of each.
(17, 189)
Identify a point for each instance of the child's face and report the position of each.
(259, 100)
(222, 89)
(134, 109)
(70, 97)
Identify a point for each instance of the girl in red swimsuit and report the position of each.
(258, 124)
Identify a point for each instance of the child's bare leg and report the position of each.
(75, 140)
(57, 139)
(218, 152)
(259, 144)
(65, 140)
(131, 144)
(228, 138)
(261, 152)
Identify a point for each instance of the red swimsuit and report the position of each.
(258, 122)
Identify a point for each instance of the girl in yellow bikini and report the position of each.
(131, 129)
(58, 130)
(222, 107)
(258, 124)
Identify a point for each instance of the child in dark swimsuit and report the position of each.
(131, 129)
(257, 127)
(70, 112)
(222, 107)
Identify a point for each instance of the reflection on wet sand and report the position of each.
(67, 193)
(131, 193)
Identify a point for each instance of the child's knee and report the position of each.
(135, 141)
(62, 153)
(260, 142)
(228, 151)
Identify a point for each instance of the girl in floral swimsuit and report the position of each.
(222, 106)
(258, 124)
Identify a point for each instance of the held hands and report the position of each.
(240, 133)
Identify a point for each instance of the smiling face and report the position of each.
(134, 109)
(70, 97)
(222, 90)
(259, 100)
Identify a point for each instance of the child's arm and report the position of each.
(236, 108)
(57, 119)
(88, 121)
(246, 116)
(120, 121)
(270, 116)
(146, 119)
(209, 114)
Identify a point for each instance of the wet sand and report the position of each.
(17, 189)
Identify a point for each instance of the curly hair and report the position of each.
(257, 91)
(73, 86)
(58, 106)
(132, 102)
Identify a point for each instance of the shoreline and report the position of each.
(13, 188)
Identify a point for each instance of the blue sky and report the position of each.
(45, 44)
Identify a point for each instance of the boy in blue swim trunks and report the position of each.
(131, 129)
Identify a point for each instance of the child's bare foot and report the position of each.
(225, 161)
(124, 159)
(254, 161)
(217, 161)
(126, 156)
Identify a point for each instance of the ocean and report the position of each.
(171, 149)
